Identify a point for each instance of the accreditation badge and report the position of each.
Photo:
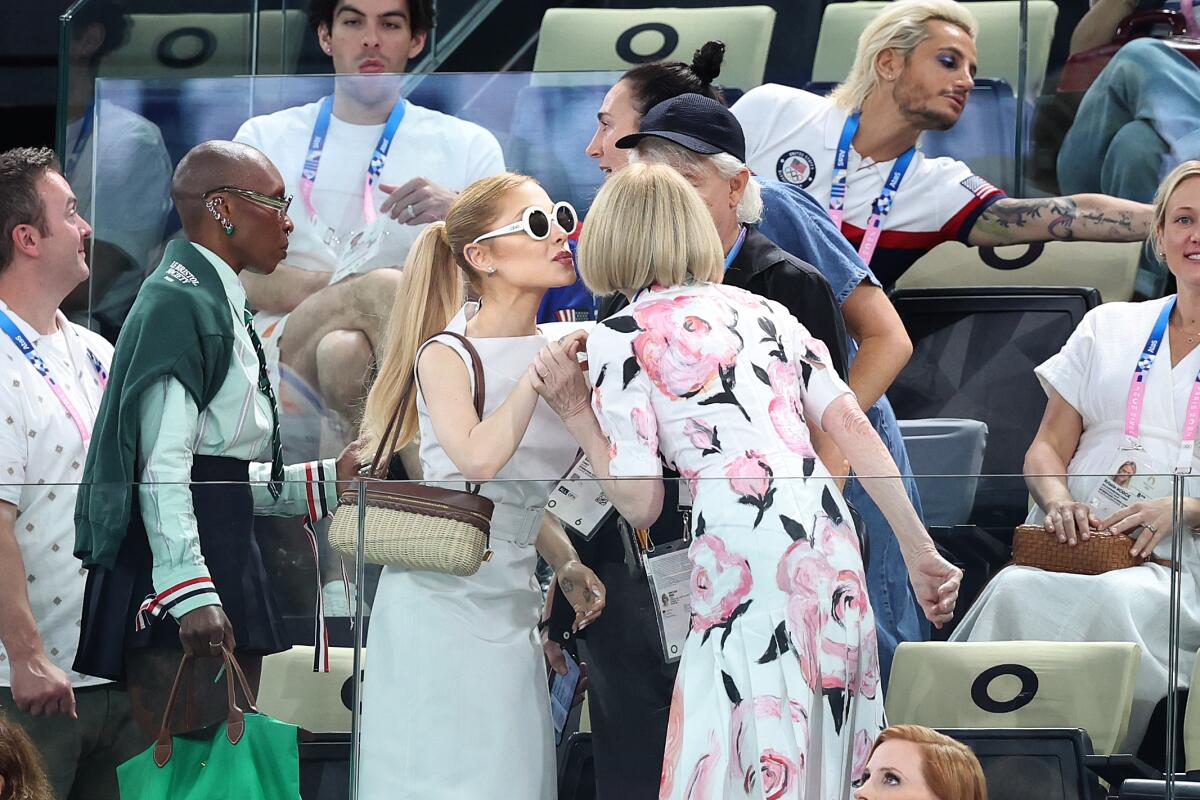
(669, 573)
(1131, 477)
(579, 500)
(359, 248)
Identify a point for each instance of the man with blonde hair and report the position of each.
(856, 151)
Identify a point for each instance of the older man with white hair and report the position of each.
(702, 140)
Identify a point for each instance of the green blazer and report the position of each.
(179, 327)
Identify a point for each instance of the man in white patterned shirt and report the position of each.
(53, 373)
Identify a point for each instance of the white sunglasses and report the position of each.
(536, 223)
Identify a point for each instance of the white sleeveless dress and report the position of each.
(455, 698)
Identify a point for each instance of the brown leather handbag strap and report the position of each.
(476, 367)
(391, 434)
(235, 719)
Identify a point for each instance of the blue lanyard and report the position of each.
(1154, 343)
(882, 205)
(1137, 391)
(23, 344)
(85, 130)
(736, 249)
(316, 145)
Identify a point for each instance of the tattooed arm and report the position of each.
(1081, 217)
(580, 585)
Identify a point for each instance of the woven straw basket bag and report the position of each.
(1101, 552)
(415, 526)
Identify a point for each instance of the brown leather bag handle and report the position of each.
(235, 719)
(392, 431)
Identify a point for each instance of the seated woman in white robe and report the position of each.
(1086, 434)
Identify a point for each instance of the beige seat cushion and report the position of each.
(1110, 267)
(292, 692)
(1085, 685)
(610, 39)
(208, 45)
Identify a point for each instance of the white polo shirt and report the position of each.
(41, 464)
(792, 136)
(443, 149)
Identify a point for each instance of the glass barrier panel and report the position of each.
(765, 572)
(1113, 115)
(512, 120)
(1183, 718)
(1009, 657)
(112, 622)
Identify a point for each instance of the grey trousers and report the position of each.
(80, 756)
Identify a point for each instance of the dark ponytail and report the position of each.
(653, 83)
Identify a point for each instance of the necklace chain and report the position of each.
(1191, 335)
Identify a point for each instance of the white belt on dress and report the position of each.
(516, 524)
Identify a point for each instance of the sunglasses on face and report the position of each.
(277, 204)
(535, 222)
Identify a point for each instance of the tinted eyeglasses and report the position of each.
(535, 222)
(278, 204)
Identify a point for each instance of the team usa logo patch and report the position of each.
(797, 168)
(977, 186)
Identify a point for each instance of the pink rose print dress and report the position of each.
(778, 692)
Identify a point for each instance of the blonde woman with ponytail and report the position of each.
(456, 702)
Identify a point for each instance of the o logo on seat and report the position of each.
(990, 257)
(625, 43)
(1029, 688)
(205, 45)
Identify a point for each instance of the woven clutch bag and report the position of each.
(1101, 552)
(414, 526)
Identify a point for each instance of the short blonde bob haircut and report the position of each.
(950, 768)
(1188, 169)
(648, 226)
(901, 26)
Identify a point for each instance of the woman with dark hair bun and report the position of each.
(650, 84)
(645, 86)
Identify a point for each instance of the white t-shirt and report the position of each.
(443, 149)
(792, 136)
(41, 464)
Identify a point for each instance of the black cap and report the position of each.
(694, 121)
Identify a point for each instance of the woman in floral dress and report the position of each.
(778, 690)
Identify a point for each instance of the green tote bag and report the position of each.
(249, 756)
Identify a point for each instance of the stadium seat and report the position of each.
(974, 351)
(997, 42)
(945, 447)
(984, 136)
(1024, 763)
(316, 701)
(609, 38)
(206, 45)
(1110, 267)
(1016, 685)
